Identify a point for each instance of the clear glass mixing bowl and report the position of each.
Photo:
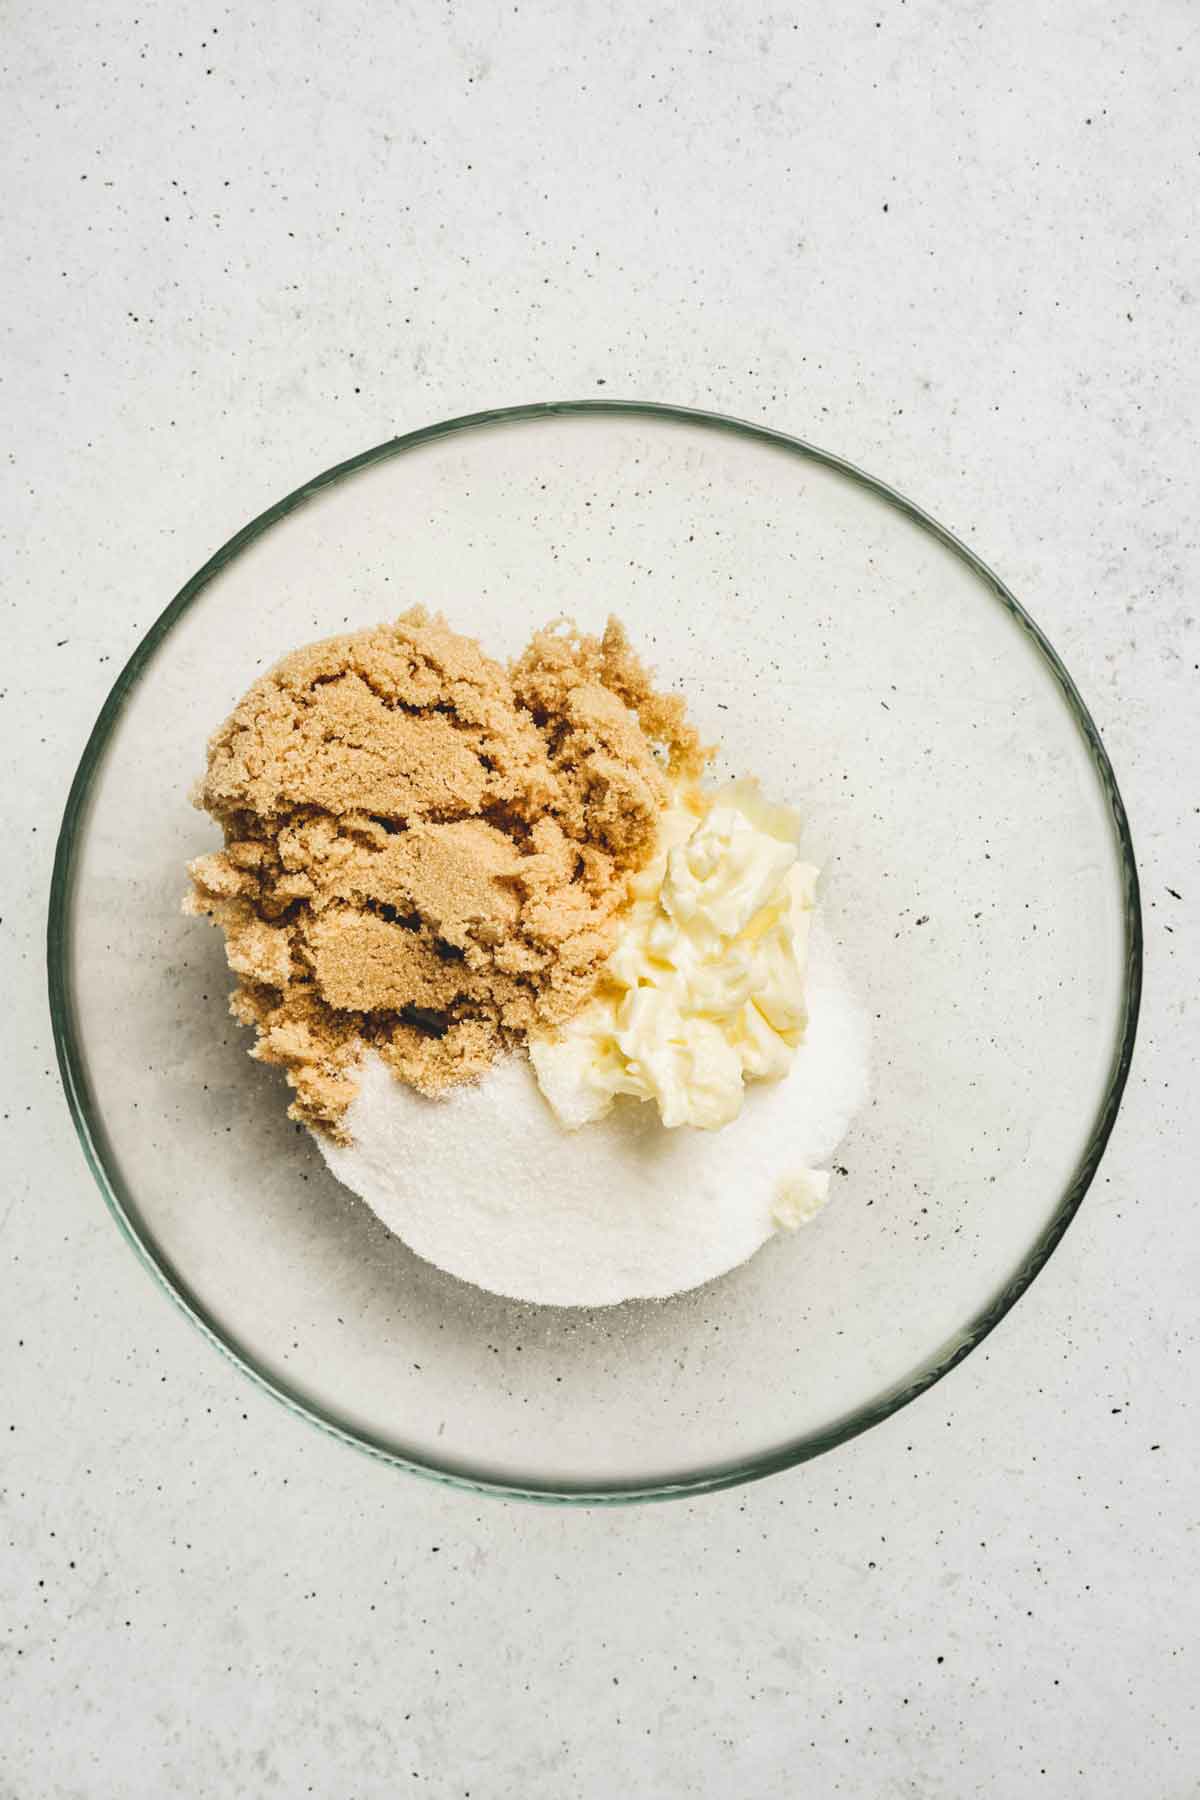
(980, 883)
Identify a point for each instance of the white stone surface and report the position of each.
(954, 242)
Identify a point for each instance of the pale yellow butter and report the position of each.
(705, 989)
(800, 1198)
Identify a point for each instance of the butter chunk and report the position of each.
(704, 990)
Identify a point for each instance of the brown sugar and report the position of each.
(425, 852)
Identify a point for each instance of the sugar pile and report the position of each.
(486, 1184)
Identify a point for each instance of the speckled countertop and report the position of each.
(955, 243)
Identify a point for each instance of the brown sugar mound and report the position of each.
(426, 853)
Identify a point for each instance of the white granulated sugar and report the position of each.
(486, 1183)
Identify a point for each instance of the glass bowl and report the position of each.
(979, 883)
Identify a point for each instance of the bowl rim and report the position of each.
(88, 1123)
